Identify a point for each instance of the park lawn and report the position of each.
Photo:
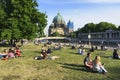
(68, 67)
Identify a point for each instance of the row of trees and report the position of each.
(100, 27)
(20, 19)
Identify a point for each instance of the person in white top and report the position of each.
(97, 66)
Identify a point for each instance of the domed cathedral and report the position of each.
(58, 25)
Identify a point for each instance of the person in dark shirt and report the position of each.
(49, 51)
(115, 54)
(88, 61)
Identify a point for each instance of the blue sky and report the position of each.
(82, 11)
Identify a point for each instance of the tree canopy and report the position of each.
(20, 19)
(100, 27)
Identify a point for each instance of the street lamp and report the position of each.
(89, 37)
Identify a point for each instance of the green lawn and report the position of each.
(68, 67)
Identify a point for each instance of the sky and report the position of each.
(81, 12)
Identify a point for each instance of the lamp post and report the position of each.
(89, 37)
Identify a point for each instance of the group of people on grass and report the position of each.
(81, 51)
(45, 51)
(95, 64)
(11, 53)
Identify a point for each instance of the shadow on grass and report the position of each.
(11, 77)
(39, 52)
(74, 53)
(109, 57)
(76, 67)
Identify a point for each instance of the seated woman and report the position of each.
(97, 66)
(17, 52)
(4, 54)
(88, 61)
(115, 54)
(11, 54)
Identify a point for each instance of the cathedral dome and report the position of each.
(58, 19)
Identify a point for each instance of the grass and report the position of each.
(68, 67)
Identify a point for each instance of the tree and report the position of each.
(73, 34)
(21, 19)
(89, 27)
(102, 26)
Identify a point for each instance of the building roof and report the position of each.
(58, 19)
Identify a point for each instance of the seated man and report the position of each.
(115, 54)
(49, 51)
(44, 54)
(88, 61)
(73, 47)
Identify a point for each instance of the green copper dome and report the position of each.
(58, 19)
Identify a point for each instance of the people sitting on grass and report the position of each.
(92, 49)
(57, 47)
(49, 51)
(97, 65)
(73, 47)
(17, 52)
(88, 61)
(115, 54)
(4, 54)
(81, 51)
(44, 54)
(11, 54)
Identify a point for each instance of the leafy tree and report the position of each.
(21, 19)
(89, 27)
(102, 26)
(73, 34)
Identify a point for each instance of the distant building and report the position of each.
(70, 26)
(58, 25)
(108, 37)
